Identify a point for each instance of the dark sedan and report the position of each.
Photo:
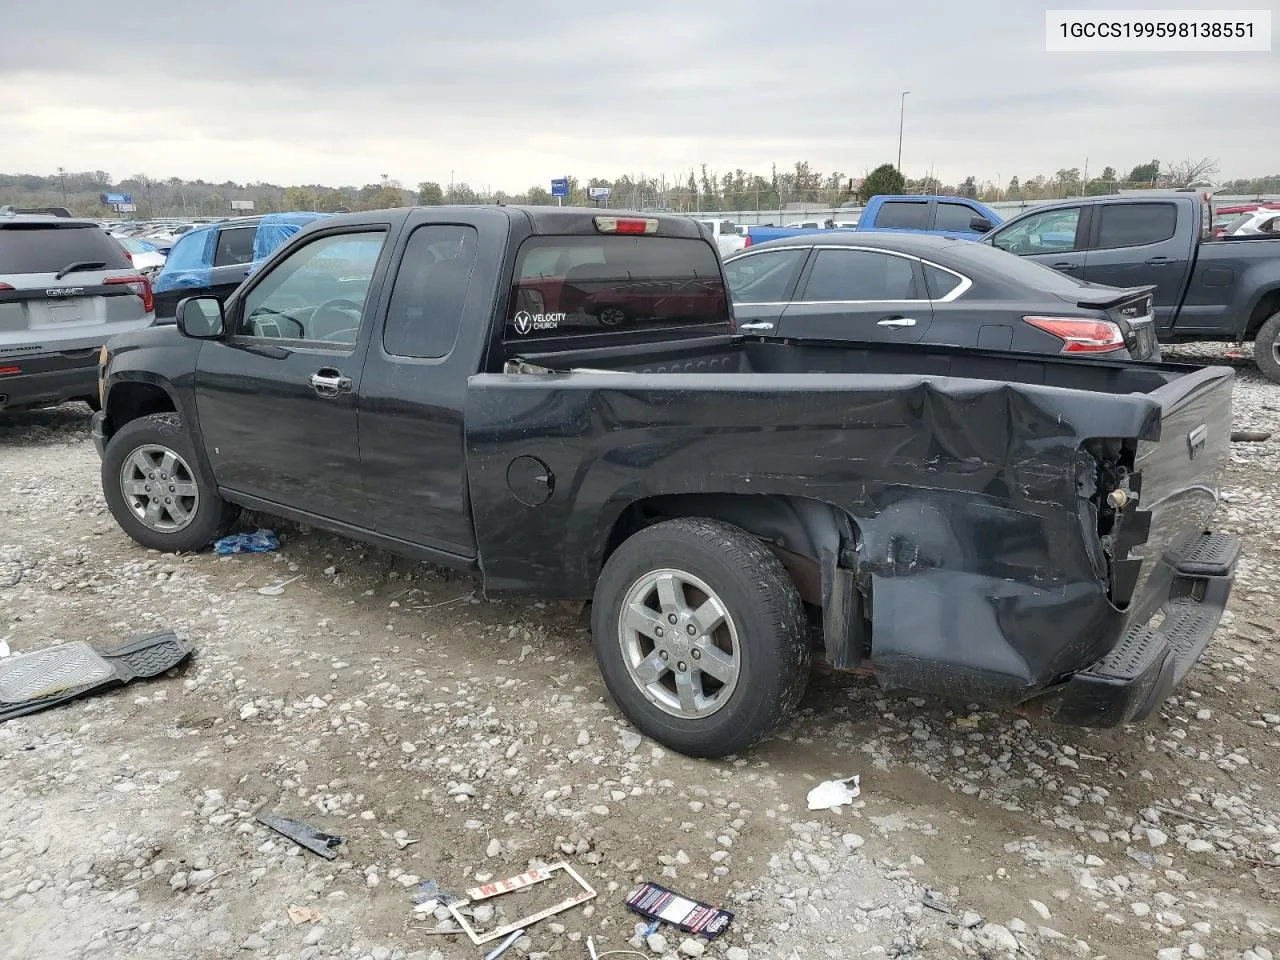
(920, 289)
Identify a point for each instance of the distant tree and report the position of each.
(430, 194)
(1144, 173)
(1191, 171)
(1015, 189)
(969, 188)
(539, 196)
(884, 179)
(461, 193)
(298, 198)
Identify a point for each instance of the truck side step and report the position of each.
(1213, 555)
(1185, 631)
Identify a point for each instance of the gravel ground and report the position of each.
(452, 739)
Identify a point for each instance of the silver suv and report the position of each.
(66, 288)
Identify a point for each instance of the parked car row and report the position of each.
(971, 523)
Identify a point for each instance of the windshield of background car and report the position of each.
(47, 248)
(570, 286)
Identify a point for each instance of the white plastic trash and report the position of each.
(833, 794)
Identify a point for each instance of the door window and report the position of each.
(954, 216)
(763, 277)
(904, 214)
(430, 291)
(844, 275)
(1135, 224)
(235, 246)
(1053, 231)
(317, 293)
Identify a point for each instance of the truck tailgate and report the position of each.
(1176, 475)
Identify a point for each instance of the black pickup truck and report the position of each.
(1206, 288)
(452, 384)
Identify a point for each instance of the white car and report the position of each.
(728, 239)
(1260, 223)
(145, 257)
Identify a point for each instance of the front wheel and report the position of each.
(700, 636)
(154, 487)
(1266, 348)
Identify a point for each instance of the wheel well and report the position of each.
(795, 528)
(817, 543)
(129, 401)
(1267, 307)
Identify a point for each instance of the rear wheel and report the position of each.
(700, 636)
(155, 489)
(1266, 348)
(612, 316)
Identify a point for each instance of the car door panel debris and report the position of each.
(303, 834)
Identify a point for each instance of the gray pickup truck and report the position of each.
(1206, 288)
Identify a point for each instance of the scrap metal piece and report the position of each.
(303, 834)
(46, 678)
(515, 883)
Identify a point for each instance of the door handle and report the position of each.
(896, 322)
(757, 326)
(329, 382)
(1065, 266)
(1158, 261)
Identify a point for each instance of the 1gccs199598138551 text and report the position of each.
(1166, 31)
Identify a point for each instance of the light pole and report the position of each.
(902, 109)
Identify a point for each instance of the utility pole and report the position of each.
(62, 176)
(902, 109)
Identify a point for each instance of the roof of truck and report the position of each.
(543, 219)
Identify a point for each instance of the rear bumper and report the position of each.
(1150, 659)
(49, 379)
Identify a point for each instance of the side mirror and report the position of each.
(201, 318)
(981, 225)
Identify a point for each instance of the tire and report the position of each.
(192, 515)
(1266, 348)
(762, 636)
(612, 317)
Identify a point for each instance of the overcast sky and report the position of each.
(508, 93)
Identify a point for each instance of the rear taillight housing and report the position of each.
(1079, 335)
(139, 285)
(747, 242)
(5, 286)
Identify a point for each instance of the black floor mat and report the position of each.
(45, 678)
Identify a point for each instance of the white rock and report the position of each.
(852, 841)
(657, 942)
(248, 711)
(408, 747)
(314, 936)
(494, 849)
(1139, 908)
(1158, 838)
(1169, 953)
(970, 919)
(631, 743)
(736, 953)
(1041, 909)
(995, 936)
(692, 948)
(1199, 846)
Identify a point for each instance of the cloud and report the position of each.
(508, 94)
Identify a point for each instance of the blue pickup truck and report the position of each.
(941, 216)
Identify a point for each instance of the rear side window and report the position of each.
(568, 286)
(954, 216)
(430, 291)
(940, 282)
(1135, 224)
(853, 275)
(903, 214)
(41, 248)
(235, 246)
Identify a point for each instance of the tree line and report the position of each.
(701, 190)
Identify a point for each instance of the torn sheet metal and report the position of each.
(46, 678)
(303, 834)
(587, 892)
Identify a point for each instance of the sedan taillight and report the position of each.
(141, 286)
(1079, 335)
